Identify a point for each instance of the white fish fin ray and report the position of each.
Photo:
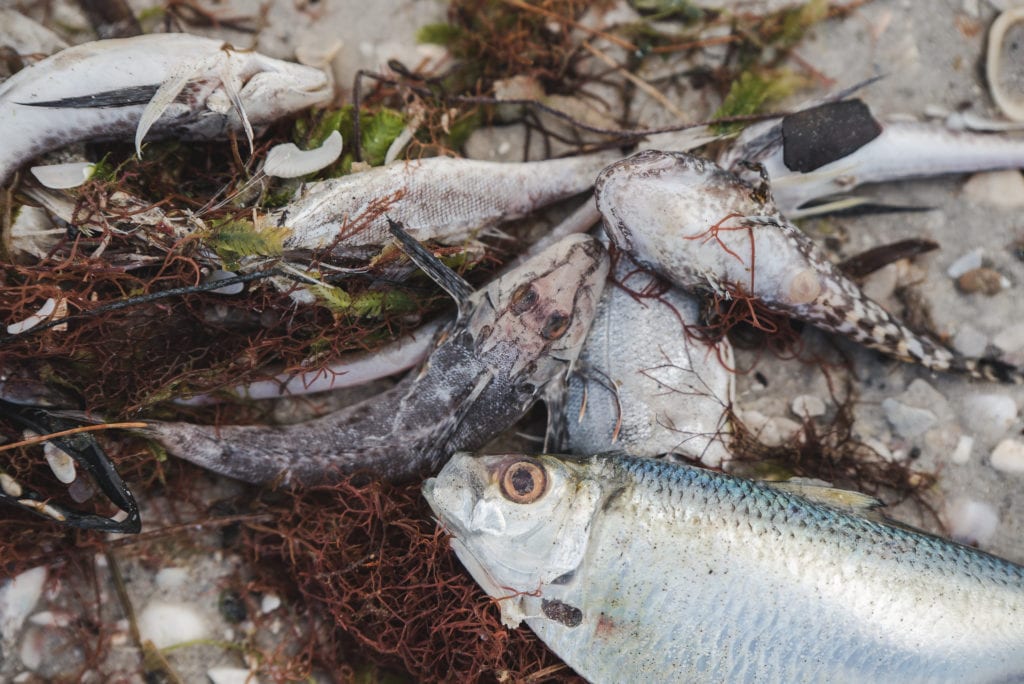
(168, 92)
(838, 204)
(231, 79)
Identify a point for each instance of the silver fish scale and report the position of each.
(695, 576)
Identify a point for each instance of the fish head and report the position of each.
(268, 88)
(531, 322)
(652, 200)
(517, 522)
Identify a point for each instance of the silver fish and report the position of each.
(815, 156)
(644, 384)
(641, 570)
(438, 198)
(513, 340)
(170, 84)
(705, 229)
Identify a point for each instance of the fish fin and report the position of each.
(447, 279)
(434, 456)
(828, 207)
(167, 93)
(232, 82)
(846, 499)
(122, 97)
(816, 136)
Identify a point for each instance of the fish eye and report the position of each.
(556, 326)
(523, 482)
(523, 299)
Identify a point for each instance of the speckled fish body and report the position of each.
(438, 198)
(644, 570)
(521, 334)
(100, 90)
(644, 384)
(705, 229)
(897, 151)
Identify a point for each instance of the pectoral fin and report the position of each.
(447, 279)
(855, 502)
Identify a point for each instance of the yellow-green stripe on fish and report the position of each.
(635, 569)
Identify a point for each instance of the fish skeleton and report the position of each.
(171, 84)
(438, 198)
(512, 340)
(704, 228)
(644, 384)
(645, 570)
(826, 150)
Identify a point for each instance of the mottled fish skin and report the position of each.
(902, 150)
(642, 570)
(643, 383)
(47, 106)
(438, 198)
(705, 229)
(523, 333)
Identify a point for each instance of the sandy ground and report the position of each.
(930, 55)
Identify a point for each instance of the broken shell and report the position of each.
(10, 486)
(63, 176)
(35, 319)
(288, 161)
(1004, 64)
(62, 465)
(984, 280)
(803, 287)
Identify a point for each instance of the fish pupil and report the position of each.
(522, 481)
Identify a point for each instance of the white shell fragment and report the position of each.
(970, 521)
(44, 312)
(10, 486)
(166, 625)
(232, 289)
(63, 176)
(18, 598)
(231, 675)
(1004, 64)
(62, 465)
(288, 161)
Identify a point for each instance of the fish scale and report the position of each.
(683, 574)
(704, 228)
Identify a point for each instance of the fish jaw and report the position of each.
(550, 534)
(541, 311)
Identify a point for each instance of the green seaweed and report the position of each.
(749, 93)
(234, 240)
(369, 304)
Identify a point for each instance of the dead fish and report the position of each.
(705, 229)
(512, 341)
(167, 85)
(815, 156)
(641, 570)
(438, 198)
(646, 385)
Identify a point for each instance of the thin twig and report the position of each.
(72, 431)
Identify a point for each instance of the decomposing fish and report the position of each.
(703, 228)
(819, 153)
(438, 198)
(646, 385)
(171, 84)
(645, 570)
(512, 341)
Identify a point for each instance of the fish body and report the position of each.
(642, 570)
(171, 84)
(438, 198)
(703, 228)
(515, 338)
(807, 161)
(644, 383)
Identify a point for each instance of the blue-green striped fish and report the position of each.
(641, 570)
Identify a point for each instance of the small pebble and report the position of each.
(269, 603)
(168, 624)
(962, 452)
(971, 522)
(171, 578)
(231, 675)
(1002, 189)
(18, 598)
(1008, 456)
(908, 421)
(808, 406)
(969, 341)
(1010, 339)
(233, 289)
(990, 415)
(986, 281)
(968, 262)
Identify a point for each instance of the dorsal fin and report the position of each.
(447, 279)
(821, 135)
(856, 502)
